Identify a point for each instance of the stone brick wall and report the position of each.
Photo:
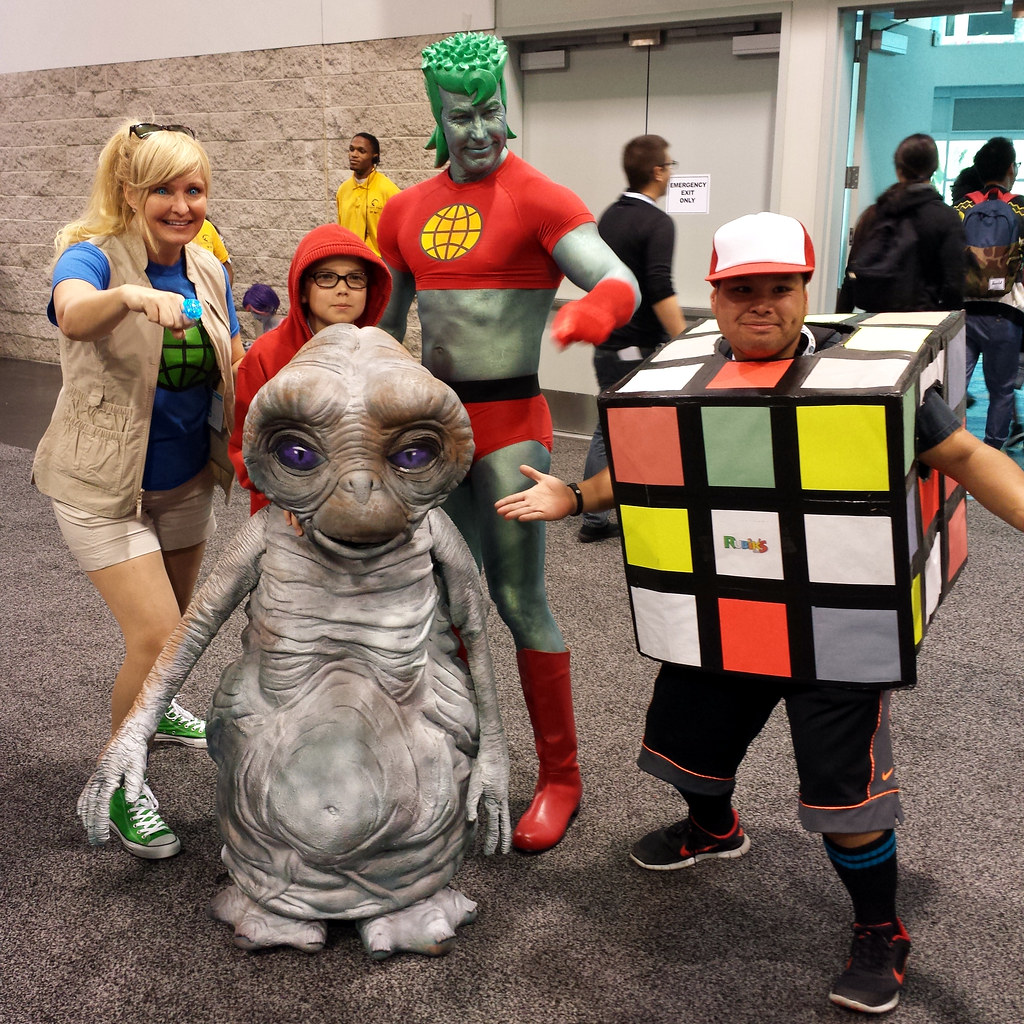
(276, 125)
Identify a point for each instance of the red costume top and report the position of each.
(497, 232)
(272, 351)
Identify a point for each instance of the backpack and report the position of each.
(884, 271)
(994, 254)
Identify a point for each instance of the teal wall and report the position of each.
(901, 89)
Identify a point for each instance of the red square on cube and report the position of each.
(929, 492)
(750, 374)
(957, 540)
(644, 441)
(755, 637)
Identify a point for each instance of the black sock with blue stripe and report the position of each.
(869, 874)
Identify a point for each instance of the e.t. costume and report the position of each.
(498, 232)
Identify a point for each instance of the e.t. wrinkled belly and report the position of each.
(340, 802)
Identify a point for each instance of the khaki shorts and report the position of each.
(178, 518)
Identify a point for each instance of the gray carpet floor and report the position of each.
(578, 934)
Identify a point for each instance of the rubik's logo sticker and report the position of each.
(773, 515)
(757, 546)
(451, 232)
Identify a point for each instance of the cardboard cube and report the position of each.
(774, 517)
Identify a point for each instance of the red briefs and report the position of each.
(506, 422)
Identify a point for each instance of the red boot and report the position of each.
(548, 692)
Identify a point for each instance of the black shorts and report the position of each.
(700, 724)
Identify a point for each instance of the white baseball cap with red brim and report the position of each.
(761, 243)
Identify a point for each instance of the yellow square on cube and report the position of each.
(657, 538)
(842, 447)
(915, 604)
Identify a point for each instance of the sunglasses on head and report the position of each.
(144, 130)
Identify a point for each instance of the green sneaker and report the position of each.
(180, 726)
(140, 828)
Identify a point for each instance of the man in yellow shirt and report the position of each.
(361, 198)
(209, 238)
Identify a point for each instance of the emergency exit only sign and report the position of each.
(688, 193)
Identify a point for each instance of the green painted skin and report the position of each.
(496, 334)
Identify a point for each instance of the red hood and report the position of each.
(334, 240)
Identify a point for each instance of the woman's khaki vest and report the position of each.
(94, 450)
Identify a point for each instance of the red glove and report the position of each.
(608, 305)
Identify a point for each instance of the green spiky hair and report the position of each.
(469, 63)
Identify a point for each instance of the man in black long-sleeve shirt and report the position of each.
(643, 237)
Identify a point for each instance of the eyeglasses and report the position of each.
(355, 279)
(671, 163)
(144, 130)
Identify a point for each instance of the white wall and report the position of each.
(914, 76)
(811, 118)
(540, 17)
(72, 33)
(577, 121)
(807, 121)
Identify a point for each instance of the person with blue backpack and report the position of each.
(993, 222)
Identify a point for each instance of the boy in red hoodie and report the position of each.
(335, 278)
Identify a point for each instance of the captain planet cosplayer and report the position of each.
(483, 246)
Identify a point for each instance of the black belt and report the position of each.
(496, 390)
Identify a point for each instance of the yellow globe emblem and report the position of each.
(451, 232)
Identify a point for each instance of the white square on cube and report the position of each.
(690, 346)
(850, 549)
(661, 379)
(855, 374)
(933, 579)
(747, 543)
(666, 626)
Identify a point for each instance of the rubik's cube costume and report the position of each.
(782, 542)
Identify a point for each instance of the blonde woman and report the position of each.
(147, 391)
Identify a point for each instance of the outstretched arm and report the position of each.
(123, 761)
(489, 777)
(585, 258)
(87, 313)
(992, 477)
(551, 499)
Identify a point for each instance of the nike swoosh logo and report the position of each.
(886, 776)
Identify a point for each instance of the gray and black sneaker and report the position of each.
(685, 843)
(874, 973)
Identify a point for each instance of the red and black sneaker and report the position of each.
(873, 978)
(685, 843)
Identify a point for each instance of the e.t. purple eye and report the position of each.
(295, 454)
(413, 456)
